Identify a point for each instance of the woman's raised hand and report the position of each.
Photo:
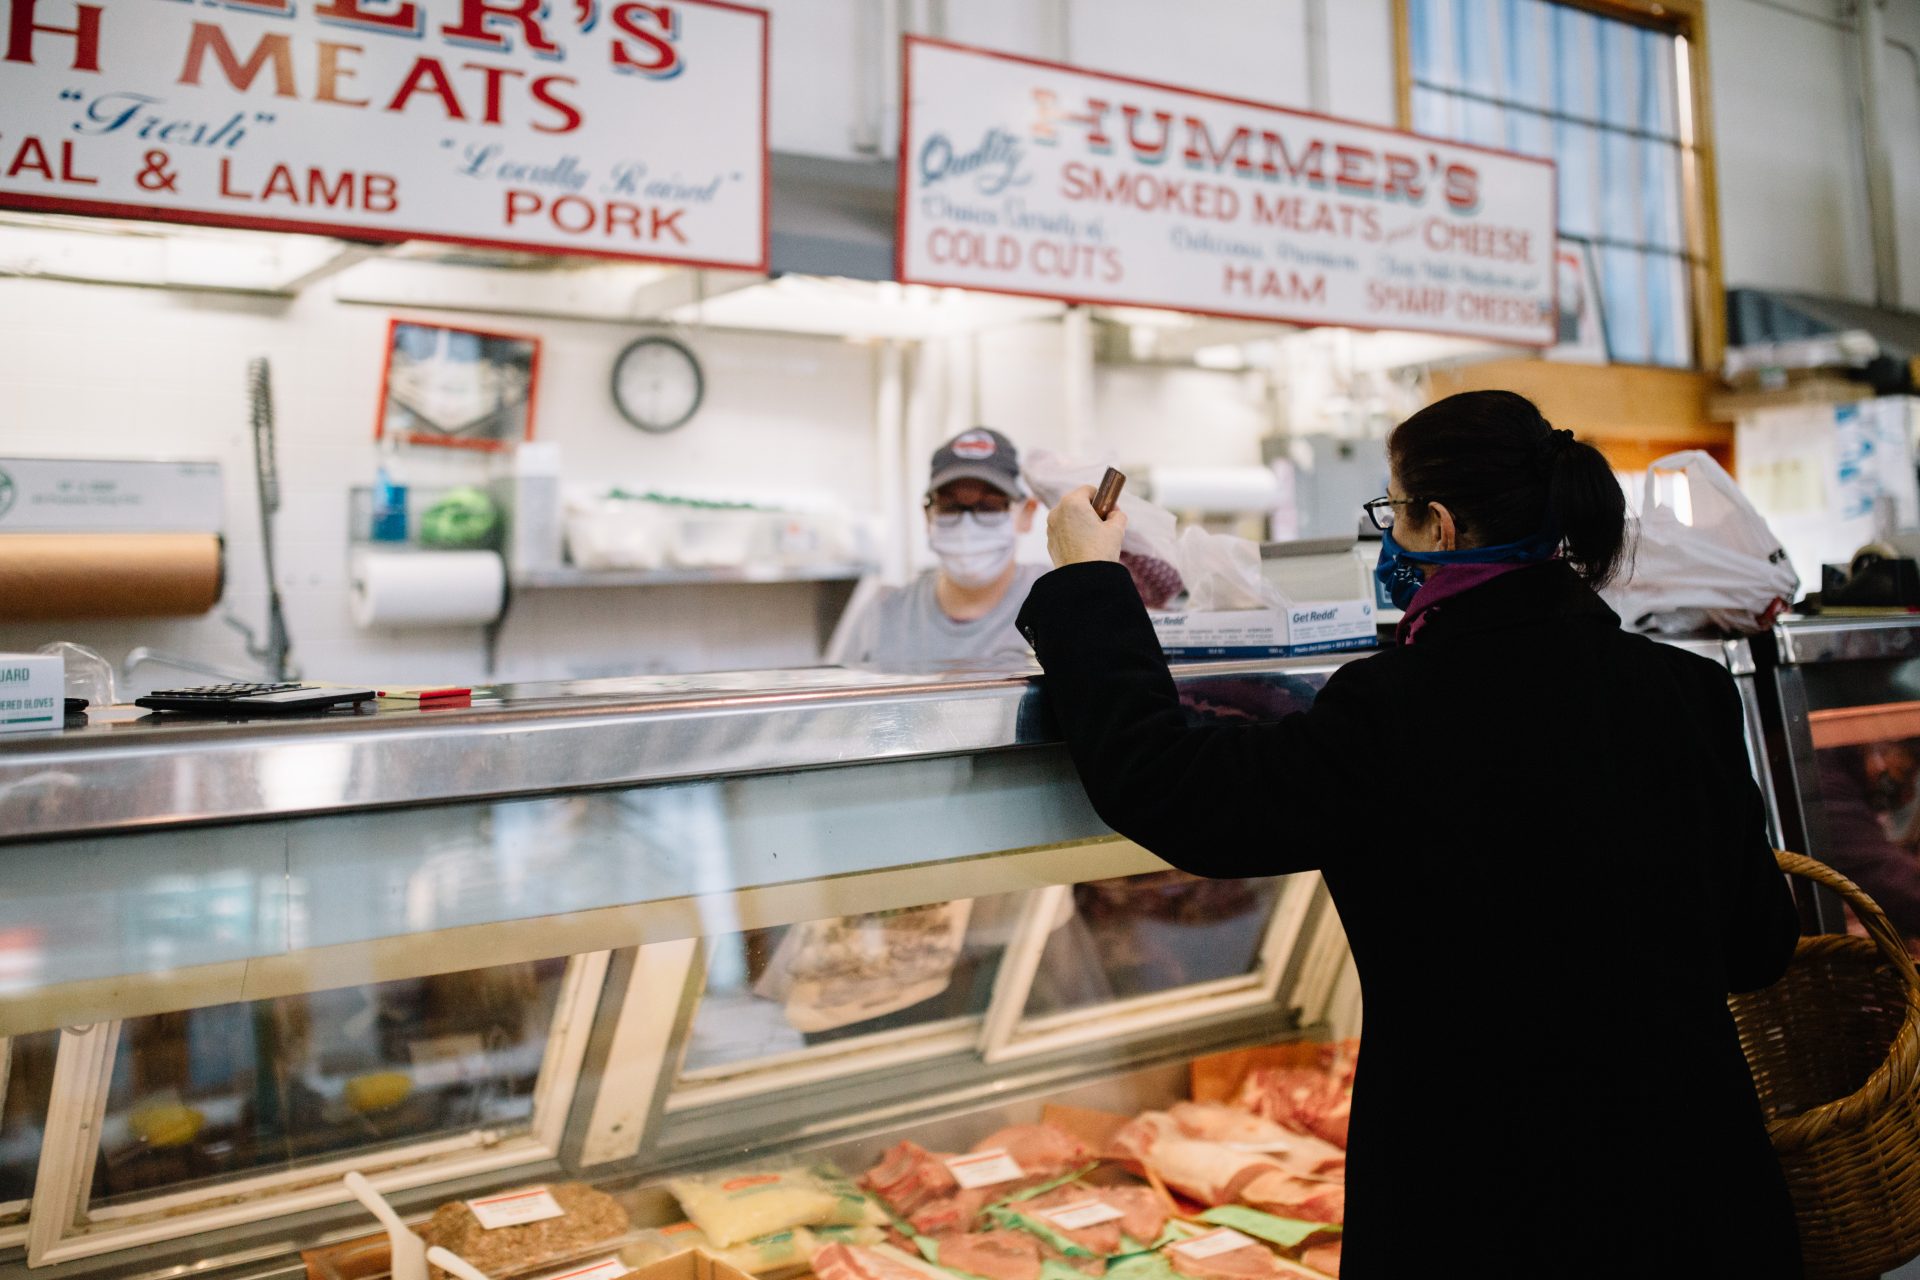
(1075, 535)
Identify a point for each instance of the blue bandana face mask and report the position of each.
(1399, 571)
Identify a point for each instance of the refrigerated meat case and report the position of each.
(606, 930)
(1845, 753)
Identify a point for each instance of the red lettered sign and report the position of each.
(1036, 178)
(594, 126)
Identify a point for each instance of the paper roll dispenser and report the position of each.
(108, 538)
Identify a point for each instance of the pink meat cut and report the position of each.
(918, 1186)
(996, 1255)
(1301, 1098)
(1136, 1139)
(909, 1176)
(1307, 1199)
(1299, 1152)
(1249, 1262)
(1217, 1175)
(852, 1262)
(1206, 1171)
(1041, 1150)
(1142, 1215)
(1324, 1257)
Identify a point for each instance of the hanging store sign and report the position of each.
(1035, 178)
(592, 126)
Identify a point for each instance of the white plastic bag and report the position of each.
(1216, 571)
(1702, 556)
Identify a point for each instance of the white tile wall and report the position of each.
(102, 371)
(98, 371)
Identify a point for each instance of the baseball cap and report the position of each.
(981, 454)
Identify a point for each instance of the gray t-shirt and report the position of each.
(904, 629)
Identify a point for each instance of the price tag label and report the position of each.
(1225, 1240)
(985, 1169)
(605, 1269)
(1087, 1213)
(516, 1208)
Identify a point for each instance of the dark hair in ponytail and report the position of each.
(1506, 475)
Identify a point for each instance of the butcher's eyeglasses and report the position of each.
(994, 509)
(1380, 511)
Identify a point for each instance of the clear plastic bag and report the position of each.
(1215, 571)
(89, 675)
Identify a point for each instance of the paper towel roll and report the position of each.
(1216, 490)
(427, 588)
(107, 575)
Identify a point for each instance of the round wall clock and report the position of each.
(657, 383)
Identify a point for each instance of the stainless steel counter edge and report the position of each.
(1808, 640)
(538, 738)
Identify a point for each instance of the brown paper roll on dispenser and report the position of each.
(56, 576)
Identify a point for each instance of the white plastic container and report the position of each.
(535, 515)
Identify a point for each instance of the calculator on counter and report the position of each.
(253, 699)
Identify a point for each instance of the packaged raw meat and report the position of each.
(1225, 1254)
(1042, 1150)
(938, 1193)
(1324, 1257)
(1138, 1136)
(920, 1187)
(1216, 1122)
(734, 1206)
(1308, 1199)
(1315, 1102)
(992, 1255)
(1207, 1172)
(880, 1262)
(1100, 1222)
(587, 1221)
(908, 1177)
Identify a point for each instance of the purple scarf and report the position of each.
(1444, 583)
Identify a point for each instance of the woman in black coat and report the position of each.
(1544, 842)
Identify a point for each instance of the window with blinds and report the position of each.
(1606, 100)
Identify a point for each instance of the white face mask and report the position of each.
(971, 553)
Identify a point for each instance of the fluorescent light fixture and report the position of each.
(116, 251)
(1228, 357)
(1147, 317)
(861, 309)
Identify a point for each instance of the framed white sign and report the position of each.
(591, 126)
(1031, 177)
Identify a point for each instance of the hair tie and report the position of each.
(1553, 443)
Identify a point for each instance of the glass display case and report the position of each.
(1848, 760)
(603, 933)
(606, 932)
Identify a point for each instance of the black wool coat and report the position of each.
(1552, 864)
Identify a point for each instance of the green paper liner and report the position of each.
(1288, 1233)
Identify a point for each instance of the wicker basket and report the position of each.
(1835, 1052)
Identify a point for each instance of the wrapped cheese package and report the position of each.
(734, 1206)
